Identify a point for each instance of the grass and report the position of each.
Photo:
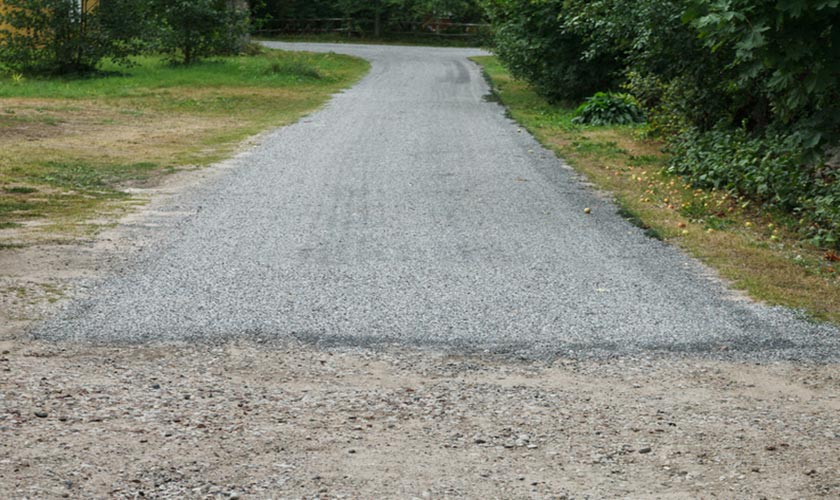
(70, 148)
(748, 246)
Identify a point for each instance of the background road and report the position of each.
(410, 211)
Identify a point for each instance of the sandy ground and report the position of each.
(292, 421)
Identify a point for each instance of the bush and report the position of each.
(607, 108)
(767, 168)
(532, 41)
(65, 36)
(189, 30)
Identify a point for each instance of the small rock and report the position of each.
(155, 386)
(42, 414)
(479, 441)
(646, 449)
(810, 472)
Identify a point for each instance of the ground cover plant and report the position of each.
(748, 244)
(70, 147)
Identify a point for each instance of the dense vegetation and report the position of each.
(367, 17)
(67, 36)
(745, 92)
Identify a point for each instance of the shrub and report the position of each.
(189, 30)
(532, 41)
(770, 168)
(66, 36)
(608, 108)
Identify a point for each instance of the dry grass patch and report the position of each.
(69, 149)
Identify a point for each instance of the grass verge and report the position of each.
(747, 245)
(70, 148)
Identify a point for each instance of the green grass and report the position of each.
(70, 147)
(748, 247)
(150, 75)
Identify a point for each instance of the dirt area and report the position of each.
(258, 420)
(292, 421)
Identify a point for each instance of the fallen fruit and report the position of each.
(587, 210)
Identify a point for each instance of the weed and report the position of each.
(294, 67)
(20, 190)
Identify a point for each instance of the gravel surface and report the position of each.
(244, 420)
(410, 211)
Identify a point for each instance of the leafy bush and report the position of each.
(189, 30)
(608, 108)
(767, 168)
(67, 36)
(532, 41)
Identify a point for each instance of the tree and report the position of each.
(68, 36)
(192, 29)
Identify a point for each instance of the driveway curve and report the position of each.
(411, 211)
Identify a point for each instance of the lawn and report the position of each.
(747, 245)
(71, 148)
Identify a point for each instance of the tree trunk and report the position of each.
(377, 23)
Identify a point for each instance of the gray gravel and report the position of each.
(411, 211)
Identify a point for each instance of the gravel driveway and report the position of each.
(410, 211)
(224, 330)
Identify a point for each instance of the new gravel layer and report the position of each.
(412, 211)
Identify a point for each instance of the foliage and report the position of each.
(532, 40)
(766, 168)
(608, 108)
(789, 50)
(365, 15)
(192, 29)
(67, 36)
